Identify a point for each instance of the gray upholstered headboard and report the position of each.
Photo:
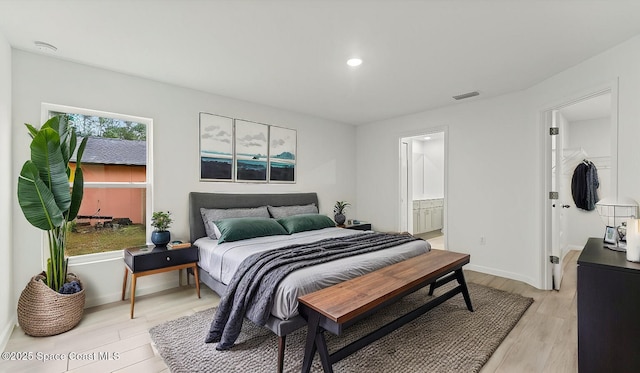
(228, 201)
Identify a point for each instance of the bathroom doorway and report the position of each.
(423, 187)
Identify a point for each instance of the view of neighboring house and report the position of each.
(113, 160)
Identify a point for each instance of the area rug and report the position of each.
(448, 338)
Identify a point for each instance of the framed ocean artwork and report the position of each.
(282, 155)
(251, 151)
(216, 148)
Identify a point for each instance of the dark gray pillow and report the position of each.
(236, 229)
(278, 212)
(308, 222)
(209, 216)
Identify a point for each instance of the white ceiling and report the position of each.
(292, 54)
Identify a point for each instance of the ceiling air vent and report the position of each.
(466, 95)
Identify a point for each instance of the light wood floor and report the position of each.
(437, 242)
(545, 339)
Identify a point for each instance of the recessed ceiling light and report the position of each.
(45, 47)
(353, 62)
(427, 138)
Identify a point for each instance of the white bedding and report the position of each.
(222, 260)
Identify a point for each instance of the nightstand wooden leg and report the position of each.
(195, 274)
(124, 282)
(133, 292)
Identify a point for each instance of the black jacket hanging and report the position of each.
(584, 186)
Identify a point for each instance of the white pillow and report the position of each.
(283, 211)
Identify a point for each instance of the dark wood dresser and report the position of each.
(608, 310)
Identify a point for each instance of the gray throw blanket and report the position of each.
(252, 288)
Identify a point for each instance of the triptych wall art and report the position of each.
(244, 151)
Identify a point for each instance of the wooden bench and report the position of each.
(339, 306)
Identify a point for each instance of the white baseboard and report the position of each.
(117, 296)
(5, 334)
(575, 247)
(505, 274)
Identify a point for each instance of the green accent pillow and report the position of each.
(308, 222)
(236, 229)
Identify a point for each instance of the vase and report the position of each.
(160, 238)
(339, 218)
(633, 240)
(43, 312)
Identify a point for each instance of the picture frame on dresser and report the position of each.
(611, 235)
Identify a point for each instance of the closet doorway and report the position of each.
(585, 135)
(423, 186)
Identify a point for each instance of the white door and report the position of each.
(559, 205)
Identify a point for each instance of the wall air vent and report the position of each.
(466, 95)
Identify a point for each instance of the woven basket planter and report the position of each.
(43, 312)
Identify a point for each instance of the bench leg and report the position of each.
(432, 287)
(310, 345)
(321, 345)
(315, 342)
(465, 290)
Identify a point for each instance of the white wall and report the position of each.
(326, 152)
(496, 163)
(428, 168)
(7, 310)
(594, 137)
(479, 202)
(434, 168)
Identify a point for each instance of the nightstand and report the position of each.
(358, 226)
(150, 260)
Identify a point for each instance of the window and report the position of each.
(117, 181)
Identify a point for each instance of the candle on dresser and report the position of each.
(633, 240)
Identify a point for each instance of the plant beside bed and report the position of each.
(53, 301)
(161, 221)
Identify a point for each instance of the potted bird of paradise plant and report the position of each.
(52, 301)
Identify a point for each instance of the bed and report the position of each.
(219, 261)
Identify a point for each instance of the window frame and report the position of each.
(47, 111)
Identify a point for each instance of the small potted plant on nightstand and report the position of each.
(338, 212)
(161, 221)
